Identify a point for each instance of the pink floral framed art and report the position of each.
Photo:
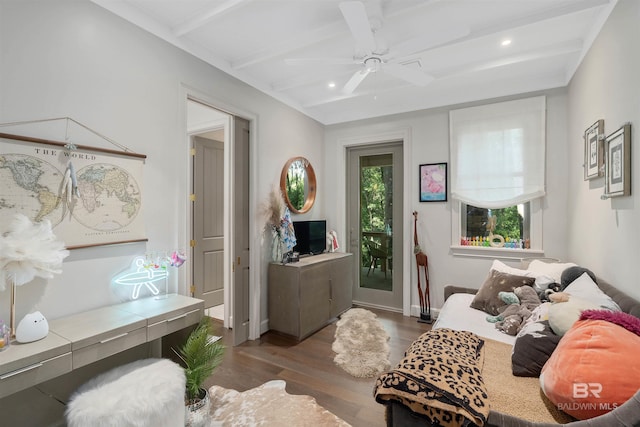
(433, 182)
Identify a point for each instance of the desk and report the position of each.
(80, 339)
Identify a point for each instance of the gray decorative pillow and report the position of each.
(533, 347)
(487, 298)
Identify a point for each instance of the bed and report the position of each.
(509, 397)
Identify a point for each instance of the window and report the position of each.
(498, 171)
(511, 223)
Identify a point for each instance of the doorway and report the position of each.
(374, 217)
(219, 214)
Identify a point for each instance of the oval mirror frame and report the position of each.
(311, 180)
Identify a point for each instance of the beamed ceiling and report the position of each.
(338, 61)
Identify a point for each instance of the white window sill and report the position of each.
(495, 253)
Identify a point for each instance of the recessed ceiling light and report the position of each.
(331, 85)
(506, 42)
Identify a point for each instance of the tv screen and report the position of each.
(311, 237)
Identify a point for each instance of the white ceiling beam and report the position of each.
(535, 18)
(543, 52)
(205, 16)
(301, 41)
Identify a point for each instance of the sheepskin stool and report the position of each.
(144, 393)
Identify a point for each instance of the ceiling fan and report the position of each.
(373, 56)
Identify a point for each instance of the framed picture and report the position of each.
(433, 182)
(617, 147)
(594, 151)
(106, 206)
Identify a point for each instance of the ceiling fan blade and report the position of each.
(355, 80)
(409, 74)
(331, 61)
(436, 38)
(355, 14)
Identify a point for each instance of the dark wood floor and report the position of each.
(308, 368)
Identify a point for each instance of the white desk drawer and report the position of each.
(172, 324)
(108, 346)
(20, 379)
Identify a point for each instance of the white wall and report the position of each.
(73, 58)
(429, 143)
(605, 234)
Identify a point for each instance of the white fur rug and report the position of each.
(268, 405)
(361, 344)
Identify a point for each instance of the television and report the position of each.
(311, 237)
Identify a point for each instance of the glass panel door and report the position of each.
(374, 211)
(376, 222)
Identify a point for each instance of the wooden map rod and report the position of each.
(92, 245)
(63, 145)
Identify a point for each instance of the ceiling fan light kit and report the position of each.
(372, 64)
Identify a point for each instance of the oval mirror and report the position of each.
(298, 184)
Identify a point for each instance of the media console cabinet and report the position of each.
(307, 295)
(81, 339)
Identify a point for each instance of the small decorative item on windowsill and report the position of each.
(29, 250)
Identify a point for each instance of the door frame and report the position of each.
(184, 233)
(403, 135)
(361, 294)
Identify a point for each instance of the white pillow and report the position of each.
(504, 268)
(585, 288)
(551, 269)
(562, 315)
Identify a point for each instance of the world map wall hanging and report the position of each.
(92, 196)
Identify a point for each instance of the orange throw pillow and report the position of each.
(594, 369)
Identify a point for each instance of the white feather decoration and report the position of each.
(29, 250)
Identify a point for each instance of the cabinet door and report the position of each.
(284, 308)
(341, 285)
(315, 294)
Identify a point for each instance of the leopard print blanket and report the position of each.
(440, 378)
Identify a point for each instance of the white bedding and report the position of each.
(456, 314)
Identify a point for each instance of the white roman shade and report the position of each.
(498, 153)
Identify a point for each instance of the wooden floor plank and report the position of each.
(308, 368)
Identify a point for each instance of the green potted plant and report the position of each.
(200, 356)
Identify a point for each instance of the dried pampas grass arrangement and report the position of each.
(272, 209)
(29, 250)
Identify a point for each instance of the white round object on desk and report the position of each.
(32, 327)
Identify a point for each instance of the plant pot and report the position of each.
(197, 410)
